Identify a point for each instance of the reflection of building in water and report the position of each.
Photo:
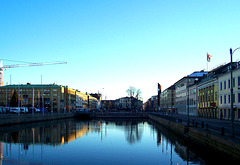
(56, 134)
(31, 140)
(1, 152)
(133, 133)
(167, 139)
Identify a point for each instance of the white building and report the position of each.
(224, 84)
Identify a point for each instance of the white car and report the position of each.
(33, 109)
(37, 110)
(23, 109)
(14, 110)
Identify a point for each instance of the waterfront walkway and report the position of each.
(215, 126)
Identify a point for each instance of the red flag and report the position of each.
(209, 57)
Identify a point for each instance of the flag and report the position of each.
(209, 57)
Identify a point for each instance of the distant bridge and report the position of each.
(88, 115)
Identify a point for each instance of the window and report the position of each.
(238, 80)
(224, 85)
(238, 113)
(229, 99)
(225, 99)
(220, 99)
(233, 98)
(239, 97)
(233, 82)
(220, 85)
(229, 84)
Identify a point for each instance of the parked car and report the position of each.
(35, 110)
(14, 110)
(43, 109)
(6, 109)
(82, 109)
(23, 109)
(1, 109)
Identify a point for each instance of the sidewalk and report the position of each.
(216, 126)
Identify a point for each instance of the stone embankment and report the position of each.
(227, 145)
(8, 119)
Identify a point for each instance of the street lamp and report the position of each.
(232, 112)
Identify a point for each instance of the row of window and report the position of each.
(27, 90)
(226, 113)
(227, 84)
(227, 99)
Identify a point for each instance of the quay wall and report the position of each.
(201, 137)
(27, 118)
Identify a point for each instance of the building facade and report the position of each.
(224, 86)
(53, 97)
(208, 97)
(167, 99)
(128, 103)
(186, 91)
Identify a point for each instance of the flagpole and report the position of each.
(207, 61)
(207, 66)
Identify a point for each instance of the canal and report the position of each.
(108, 142)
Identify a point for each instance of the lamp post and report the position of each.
(232, 111)
(188, 101)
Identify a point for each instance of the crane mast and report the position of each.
(1, 74)
(24, 65)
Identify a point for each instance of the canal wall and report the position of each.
(201, 137)
(119, 115)
(27, 118)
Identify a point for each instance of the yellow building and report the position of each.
(207, 101)
(53, 97)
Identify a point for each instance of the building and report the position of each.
(183, 95)
(208, 93)
(170, 99)
(108, 104)
(192, 99)
(128, 103)
(98, 96)
(53, 97)
(224, 86)
(163, 101)
(147, 105)
(167, 99)
(154, 103)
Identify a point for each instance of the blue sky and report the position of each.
(114, 44)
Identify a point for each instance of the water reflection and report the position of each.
(108, 142)
(55, 134)
(62, 132)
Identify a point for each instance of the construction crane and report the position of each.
(24, 65)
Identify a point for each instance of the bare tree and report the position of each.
(134, 94)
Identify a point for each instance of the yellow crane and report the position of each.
(24, 65)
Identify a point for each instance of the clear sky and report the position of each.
(114, 44)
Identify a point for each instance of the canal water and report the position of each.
(107, 142)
